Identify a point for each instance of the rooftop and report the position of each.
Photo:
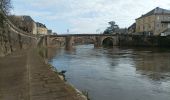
(132, 26)
(27, 18)
(40, 25)
(156, 11)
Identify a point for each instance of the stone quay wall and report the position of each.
(13, 39)
(144, 41)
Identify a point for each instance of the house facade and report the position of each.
(132, 29)
(49, 32)
(154, 22)
(41, 29)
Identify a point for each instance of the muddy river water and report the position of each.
(117, 73)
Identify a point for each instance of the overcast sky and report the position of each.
(85, 16)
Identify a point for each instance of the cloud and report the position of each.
(86, 16)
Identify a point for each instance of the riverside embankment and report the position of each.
(144, 41)
(12, 38)
(25, 76)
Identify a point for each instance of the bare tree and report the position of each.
(5, 6)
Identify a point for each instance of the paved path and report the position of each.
(25, 76)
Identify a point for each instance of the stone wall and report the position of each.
(12, 39)
(152, 24)
(144, 41)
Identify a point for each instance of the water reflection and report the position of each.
(155, 65)
(117, 73)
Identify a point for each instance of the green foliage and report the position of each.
(112, 28)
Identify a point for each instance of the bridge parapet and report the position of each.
(78, 35)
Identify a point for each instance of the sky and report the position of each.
(85, 16)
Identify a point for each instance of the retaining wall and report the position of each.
(144, 41)
(13, 39)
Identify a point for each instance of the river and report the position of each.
(117, 73)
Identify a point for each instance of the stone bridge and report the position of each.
(69, 40)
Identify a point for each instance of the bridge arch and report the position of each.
(84, 40)
(108, 42)
(58, 42)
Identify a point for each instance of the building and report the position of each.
(54, 33)
(25, 23)
(132, 29)
(49, 32)
(154, 22)
(122, 31)
(41, 29)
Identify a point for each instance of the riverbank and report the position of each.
(144, 41)
(25, 76)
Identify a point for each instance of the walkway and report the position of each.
(25, 76)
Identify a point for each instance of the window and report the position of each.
(168, 25)
(168, 17)
(158, 18)
(149, 26)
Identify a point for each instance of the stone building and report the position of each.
(122, 31)
(41, 29)
(49, 32)
(132, 29)
(25, 23)
(154, 22)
